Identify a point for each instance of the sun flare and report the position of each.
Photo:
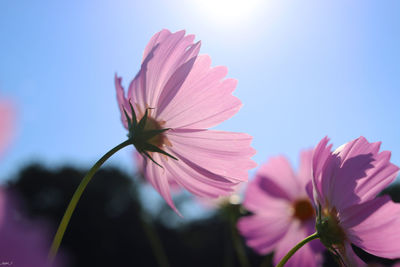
(228, 11)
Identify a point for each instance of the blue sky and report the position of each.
(306, 69)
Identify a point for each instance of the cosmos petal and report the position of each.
(122, 102)
(279, 178)
(201, 182)
(174, 84)
(6, 124)
(230, 152)
(363, 172)
(23, 242)
(354, 173)
(305, 168)
(157, 177)
(162, 62)
(377, 178)
(260, 200)
(321, 155)
(155, 40)
(140, 164)
(206, 95)
(263, 233)
(351, 258)
(374, 226)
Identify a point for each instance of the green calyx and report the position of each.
(142, 137)
(329, 231)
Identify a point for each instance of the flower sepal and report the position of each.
(328, 229)
(141, 137)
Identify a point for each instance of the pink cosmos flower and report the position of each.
(346, 183)
(170, 104)
(6, 124)
(22, 243)
(282, 212)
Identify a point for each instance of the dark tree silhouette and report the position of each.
(109, 225)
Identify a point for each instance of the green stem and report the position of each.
(155, 243)
(151, 233)
(296, 248)
(75, 198)
(267, 261)
(240, 252)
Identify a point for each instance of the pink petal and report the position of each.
(224, 153)
(305, 172)
(3, 203)
(210, 163)
(198, 180)
(374, 226)
(154, 41)
(351, 258)
(279, 179)
(363, 172)
(153, 73)
(355, 173)
(308, 255)
(157, 176)
(122, 102)
(174, 186)
(161, 63)
(166, 60)
(174, 84)
(205, 95)
(305, 169)
(377, 178)
(136, 93)
(23, 242)
(321, 155)
(6, 124)
(263, 233)
(261, 198)
(202, 158)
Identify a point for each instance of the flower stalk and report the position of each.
(296, 248)
(77, 195)
(240, 251)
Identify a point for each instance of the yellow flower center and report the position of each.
(152, 124)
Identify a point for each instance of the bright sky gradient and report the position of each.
(306, 69)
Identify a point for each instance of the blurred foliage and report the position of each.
(110, 226)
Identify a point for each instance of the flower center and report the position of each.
(303, 210)
(152, 124)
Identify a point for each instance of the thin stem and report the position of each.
(240, 252)
(75, 198)
(151, 233)
(296, 248)
(155, 243)
(267, 261)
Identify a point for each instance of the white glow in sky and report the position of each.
(228, 12)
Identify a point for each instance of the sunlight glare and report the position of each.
(228, 12)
